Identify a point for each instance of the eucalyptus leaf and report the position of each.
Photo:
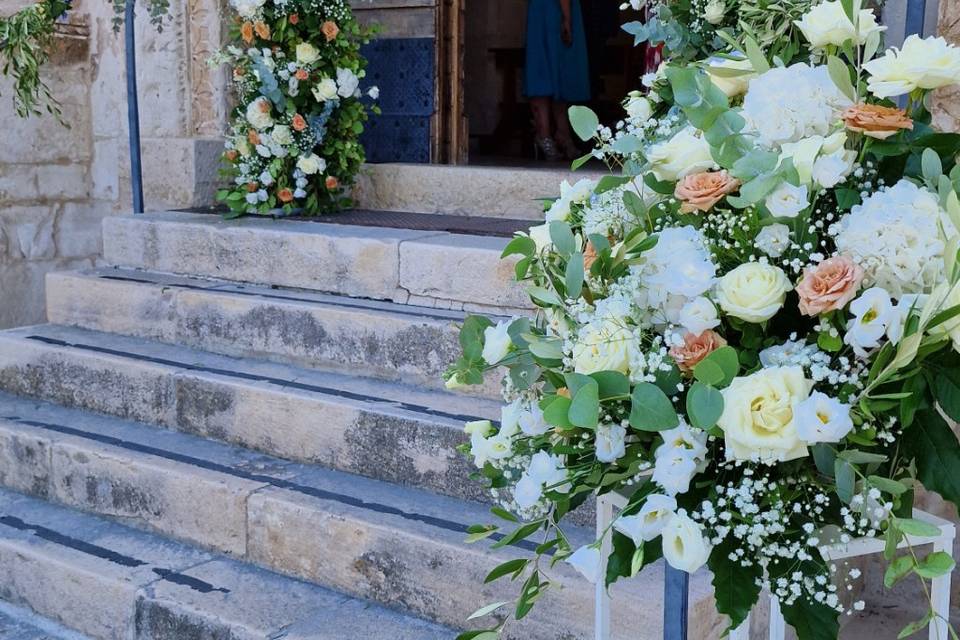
(584, 122)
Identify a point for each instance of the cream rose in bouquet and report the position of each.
(749, 330)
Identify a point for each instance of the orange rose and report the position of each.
(695, 348)
(332, 183)
(301, 74)
(253, 137)
(829, 286)
(251, 186)
(875, 120)
(294, 18)
(700, 191)
(564, 392)
(299, 123)
(262, 30)
(285, 195)
(330, 30)
(589, 256)
(231, 155)
(246, 32)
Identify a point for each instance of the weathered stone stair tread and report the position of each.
(376, 540)
(17, 623)
(116, 583)
(391, 431)
(402, 265)
(316, 330)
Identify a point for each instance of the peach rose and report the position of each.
(285, 195)
(246, 32)
(299, 123)
(695, 348)
(875, 120)
(700, 191)
(262, 30)
(253, 137)
(330, 30)
(252, 186)
(301, 74)
(589, 256)
(231, 155)
(829, 286)
(294, 18)
(332, 183)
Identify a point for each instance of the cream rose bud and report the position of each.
(731, 85)
(347, 83)
(540, 235)
(610, 442)
(312, 164)
(828, 24)
(684, 545)
(685, 153)
(753, 292)
(527, 492)
(637, 107)
(496, 342)
(307, 53)
(325, 90)
(773, 239)
(698, 315)
(714, 11)
(787, 200)
(758, 419)
(872, 313)
(587, 561)
(922, 63)
(649, 522)
(482, 428)
(258, 114)
(821, 418)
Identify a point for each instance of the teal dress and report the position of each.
(554, 70)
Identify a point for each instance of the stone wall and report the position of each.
(57, 183)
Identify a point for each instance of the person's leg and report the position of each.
(565, 143)
(541, 116)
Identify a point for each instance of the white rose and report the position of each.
(673, 469)
(527, 492)
(347, 83)
(753, 291)
(828, 24)
(685, 153)
(604, 345)
(638, 107)
(729, 75)
(821, 418)
(787, 200)
(698, 315)
(258, 114)
(325, 90)
(281, 135)
(649, 522)
(922, 63)
(540, 235)
(312, 164)
(610, 443)
(247, 8)
(307, 53)
(496, 342)
(758, 419)
(872, 313)
(684, 546)
(773, 239)
(714, 11)
(587, 561)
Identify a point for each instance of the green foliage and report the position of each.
(735, 587)
(935, 451)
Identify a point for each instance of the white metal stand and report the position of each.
(940, 588)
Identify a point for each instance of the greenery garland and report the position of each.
(293, 146)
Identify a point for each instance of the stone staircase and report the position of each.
(236, 430)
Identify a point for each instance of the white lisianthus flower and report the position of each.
(649, 522)
(684, 545)
(510, 418)
(872, 312)
(685, 153)
(821, 418)
(570, 194)
(637, 107)
(482, 428)
(531, 420)
(773, 239)
(247, 8)
(307, 53)
(610, 445)
(673, 469)
(914, 303)
(804, 153)
(347, 83)
(898, 236)
(922, 63)
(281, 135)
(496, 342)
(714, 11)
(731, 85)
(325, 90)
(787, 200)
(698, 315)
(527, 492)
(684, 437)
(828, 24)
(548, 470)
(753, 291)
(312, 164)
(484, 449)
(587, 561)
(758, 419)
(833, 168)
(258, 114)
(540, 235)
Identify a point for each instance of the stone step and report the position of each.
(385, 340)
(112, 582)
(502, 192)
(428, 268)
(401, 547)
(385, 430)
(17, 623)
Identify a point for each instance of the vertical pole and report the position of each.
(133, 107)
(676, 593)
(916, 11)
(602, 598)
(940, 594)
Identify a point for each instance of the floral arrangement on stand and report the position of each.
(750, 329)
(293, 144)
